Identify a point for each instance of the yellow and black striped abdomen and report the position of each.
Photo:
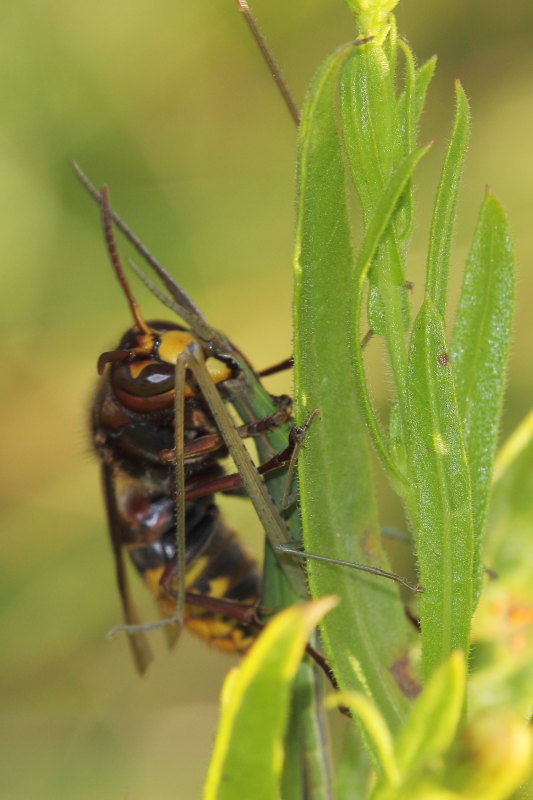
(225, 571)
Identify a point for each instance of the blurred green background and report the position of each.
(170, 104)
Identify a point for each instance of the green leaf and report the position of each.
(427, 736)
(441, 510)
(435, 758)
(509, 540)
(433, 721)
(440, 240)
(423, 77)
(390, 46)
(406, 140)
(410, 105)
(248, 754)
(371, 128)
(479, 351)
(407, 101)
(370, 122)
(503, 618)
(337, 503)
(306, 752)
(376, 729)
(373, 235)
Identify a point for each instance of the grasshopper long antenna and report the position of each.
(269, 60)
(189, 312)
(155, 290)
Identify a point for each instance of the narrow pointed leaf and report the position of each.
(407, 102)
(373, 235)
(406, 140)
(427, 736)
(440, 241)
(371, 129)
(422, 80)
(304, 745)
(509, 537)
(410, 106)
(384, 211)
(370, 121)
(433, 721)
(382, 747)
(337, 502)
(248, 755)
(508, 551)
(441, 510)
(480, 348)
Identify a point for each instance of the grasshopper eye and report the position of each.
(143, 378)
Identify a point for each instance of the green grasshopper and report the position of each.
(131, 478)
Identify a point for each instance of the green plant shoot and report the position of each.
(358, 151)
(358, 136)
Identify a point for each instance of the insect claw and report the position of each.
(290, 545)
